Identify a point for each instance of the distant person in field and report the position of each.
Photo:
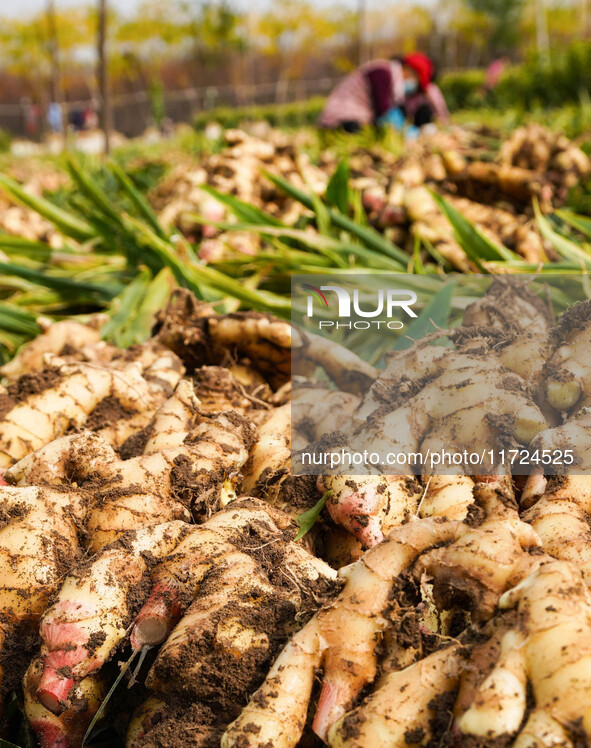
(55, 117)
(393, 92)
(494, 73)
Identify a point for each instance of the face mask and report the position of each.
(410, 86)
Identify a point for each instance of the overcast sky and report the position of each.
(27, 7)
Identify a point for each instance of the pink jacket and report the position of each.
(431, 95)
(368, 92)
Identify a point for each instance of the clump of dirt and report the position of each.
(475, 516)
(33, 384)
(190, 486)
(578, 733)
(214, 670)
(26, 385)
(415, 735)
(270, 553)
(182, 327)
(181, 726)
(352, 725)
(138, 594)
(298, 492)
(106, 413)
(17, 652)
(6, 404)
(442, 721)
(135, 444)
(573, 320)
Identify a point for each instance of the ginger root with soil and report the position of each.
(487, 549)
(547, 648)
(429, 399)
(219, 602)
(128, 528)
(473, 569)
(124, 474)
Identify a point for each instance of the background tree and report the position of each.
(292, 32)
(53, 52)
(166, 45)
(142, 46)
(26, 50)
(505, 17)
(103, 74)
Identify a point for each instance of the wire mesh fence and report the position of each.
(133, 112)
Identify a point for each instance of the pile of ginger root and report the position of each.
(464, 616)
(489, 176)
(491, 185)
(149, 509)
(125, 527)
